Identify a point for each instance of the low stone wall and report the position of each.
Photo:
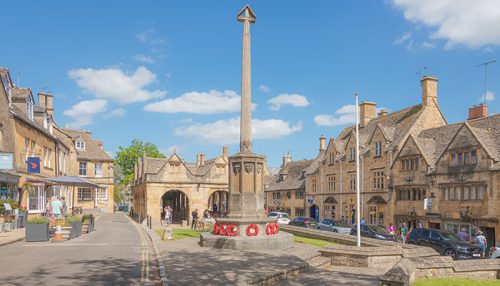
(410, 269)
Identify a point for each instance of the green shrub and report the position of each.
(87, 217)
(73, 218)
(13, 203)
(38, 220)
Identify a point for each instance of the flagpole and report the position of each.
(358, 215)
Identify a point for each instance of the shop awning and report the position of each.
(377, 200)
(72, 181)
(8, 176)
(330, 200)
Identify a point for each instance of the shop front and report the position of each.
(9, 182)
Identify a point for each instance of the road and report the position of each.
(119, 252)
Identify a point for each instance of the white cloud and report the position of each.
(459, 22)
(149, 37)
(344, 115)
(116, 113)
(116, 85)
(84, 111)
(296, 100)
(210, 102)
(490, 96)
(406, 40)
(144, 59)
(428, 45)
(264, 88)
(228, 131)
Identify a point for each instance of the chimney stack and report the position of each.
(287, 158)
(367, 111)
(202, 159)
(322, 143)
(478, 111)
(429, 90)
(46, 101)
(225, 151)
(382, 113)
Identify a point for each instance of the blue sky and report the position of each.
(169, 72)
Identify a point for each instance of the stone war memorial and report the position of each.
(247, 226)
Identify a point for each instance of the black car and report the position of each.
(304, 222)
(444, 242)
(372, 231)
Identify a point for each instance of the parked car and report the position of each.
(495, 251)
(331, 225)
(281, 217)
(372, 231)
(445, 242)
(304, 222)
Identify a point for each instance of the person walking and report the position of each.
(463, 235)
(363, 221)
(404, 232)
(57, 209)
(194, 214)
(482, 243)
(168, 215)
(391, 231)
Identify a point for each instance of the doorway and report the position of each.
(217, 203)
(314, 212)
(179, 202)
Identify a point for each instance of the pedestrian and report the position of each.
(195, 218)
(205, 214)
(363, 221)
(57, 209)
(404, 232)
(215, 210)
(391, 231)
(482, 243)
(463, 235)
(48, 209)
(64, 207)
(168, 215)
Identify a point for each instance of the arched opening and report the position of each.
(179, 202)
(217, 204)
(314, 212)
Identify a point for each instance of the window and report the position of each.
(378, 180)
(47, 152)
(98, 169)
(299, 212)
(282, 177)
(103, 194)
(80, 144)
(27, 143)
(473, 157)
(299, 194)
(36, 199)
(409, 164)
(276, 196)
(288, 195)
(83, 169)
(314, 185)
(331, 184)
(464, 193)
(410, 194)
(29, 108)
(378, 149)
(332, 157)
(352, 154)
(175, 168)
(84, 194)
(352, 182)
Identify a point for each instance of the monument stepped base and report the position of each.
(281, 240)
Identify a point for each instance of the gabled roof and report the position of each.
(93, 150)
(433, 142)
(487, 132)
(295, 176)
(314, 166)
(154, 165)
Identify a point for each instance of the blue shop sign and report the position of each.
(34, 165)
(6, 161)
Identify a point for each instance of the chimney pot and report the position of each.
(322, 143)
(225, 151)
(287, 158)
(382, 113)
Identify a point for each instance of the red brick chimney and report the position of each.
(478, 111)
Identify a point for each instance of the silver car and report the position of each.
(330, 225)
(281, 217)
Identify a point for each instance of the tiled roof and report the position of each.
(14, 110)
(92, 150)
(487, 131)
(313, 167)
(294, 179)
(154, 165)
(20, 93)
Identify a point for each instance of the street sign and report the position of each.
(310, 200)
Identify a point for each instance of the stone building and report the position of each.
(184, 186)
(448, 177)
(331, 178)
(286, 191)
(94, 164)
(29, 136)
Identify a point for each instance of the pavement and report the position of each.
(11, 236)
(119, 252)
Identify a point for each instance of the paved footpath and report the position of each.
(117, 253)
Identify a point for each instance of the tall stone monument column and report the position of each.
(247, 226)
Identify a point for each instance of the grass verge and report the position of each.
(455, 282)
(312, 241)
(180, 233)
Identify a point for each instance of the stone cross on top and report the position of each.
(247, 16)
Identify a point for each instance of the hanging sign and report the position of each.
(34, 165)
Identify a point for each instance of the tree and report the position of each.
(127, 157)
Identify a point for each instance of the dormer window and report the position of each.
(378, 149)
(80, 145)
(29, 108)
(282, 177)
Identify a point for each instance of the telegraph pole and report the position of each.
(358, 209)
